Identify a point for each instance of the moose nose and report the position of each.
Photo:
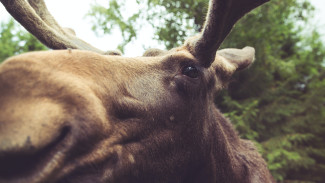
(29, 130)
(28, 125)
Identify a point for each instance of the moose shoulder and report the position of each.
(83, 116)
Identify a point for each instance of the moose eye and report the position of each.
(191, 71)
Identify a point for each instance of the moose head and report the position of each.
(84, 115)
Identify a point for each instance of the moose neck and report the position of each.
(222, 154)
(233, 159)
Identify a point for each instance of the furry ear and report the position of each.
(230, 60)
(239, 58)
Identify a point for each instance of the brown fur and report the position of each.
(77, 116)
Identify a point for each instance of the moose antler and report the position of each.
(36, 18)
(221, 17)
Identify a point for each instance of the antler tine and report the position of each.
(41, 10)
(221, 17)
(35, 17)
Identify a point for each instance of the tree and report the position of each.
(13, 40)
(279, 102)
(183, 19)
(282, 95)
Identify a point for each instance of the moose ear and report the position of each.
(228, 61)
(238, 58)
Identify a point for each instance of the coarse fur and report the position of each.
(81, 116)
(77, 116)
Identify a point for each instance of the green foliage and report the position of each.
(14, 41)
(172, 21)
(127, 26)
(288, 82)
(278, 102)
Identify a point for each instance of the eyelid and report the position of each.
(187, 63)
(190, 63)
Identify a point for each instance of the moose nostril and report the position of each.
(17, 163)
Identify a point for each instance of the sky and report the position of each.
(71, 13)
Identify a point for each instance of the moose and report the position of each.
(79, 114)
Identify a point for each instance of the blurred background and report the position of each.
(279, 103)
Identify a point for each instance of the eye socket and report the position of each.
(191, 71)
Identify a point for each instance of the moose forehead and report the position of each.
(92, 66)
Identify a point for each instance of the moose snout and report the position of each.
(31, 132)
(29, 125)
